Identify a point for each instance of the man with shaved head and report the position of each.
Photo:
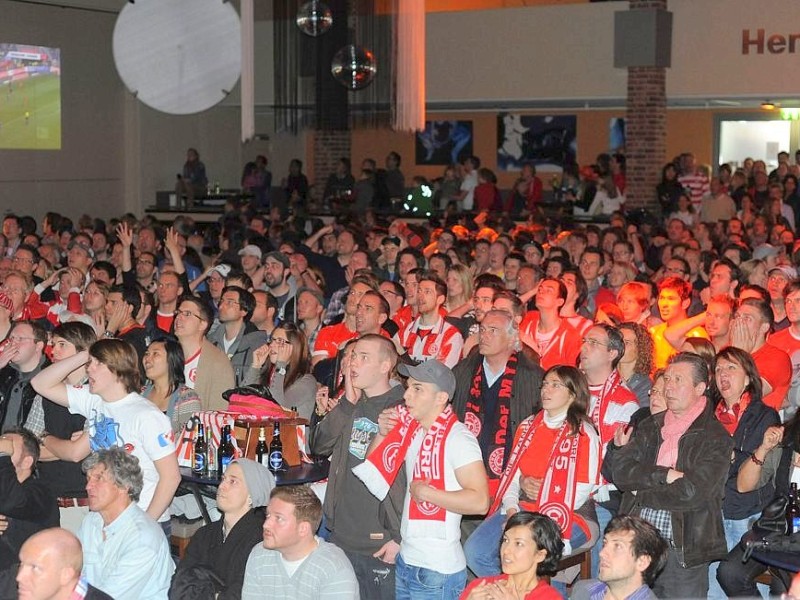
(50, 564)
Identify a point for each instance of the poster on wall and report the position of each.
(444, 142)
(549, 142)
(616, 135)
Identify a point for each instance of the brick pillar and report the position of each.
(328, 147)
(645, 126)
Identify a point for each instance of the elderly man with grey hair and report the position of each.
(126, 553)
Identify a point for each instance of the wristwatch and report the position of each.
(107, 334)
(41, 437)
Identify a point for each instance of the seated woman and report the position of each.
(166, 387)
(284, 367)
(563, 433)
(736, 388)
(531, 548)
(222, 547)
(776, 461)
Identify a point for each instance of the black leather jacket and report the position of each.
(694, 500)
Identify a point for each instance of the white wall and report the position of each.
(565, 52)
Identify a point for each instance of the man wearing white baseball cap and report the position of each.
(444, 468)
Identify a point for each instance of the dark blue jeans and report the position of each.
(419, 583)
(483, 546)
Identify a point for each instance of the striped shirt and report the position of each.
(443, 342)
(697, 185)
(324, 574)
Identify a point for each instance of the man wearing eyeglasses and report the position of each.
(21, 359)
(207, 369)
(25, 260)
(610, 407)
(237, 337)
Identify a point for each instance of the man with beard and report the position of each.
(276, 278)
(237, 337)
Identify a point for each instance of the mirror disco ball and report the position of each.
(314, 18)
(354, 67)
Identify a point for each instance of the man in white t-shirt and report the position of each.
(469, 182)
(444, 468)
(118, 417)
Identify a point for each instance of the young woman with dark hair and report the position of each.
(166, 387)
(563, 434)
(531, 548)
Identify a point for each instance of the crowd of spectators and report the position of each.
(494, 388)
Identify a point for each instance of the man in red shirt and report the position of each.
(429, 335)
(546, 331)
(751, 324)
(788, 340)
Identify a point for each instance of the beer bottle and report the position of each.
(225, 450)
(276, 450)
(200, 452)
(211, 460)
(262, 450)
(792, 512)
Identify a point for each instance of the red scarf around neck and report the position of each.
(598, 416)
(381, 467)
(557, 495)
(475, 418)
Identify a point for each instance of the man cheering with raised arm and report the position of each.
(444, 468)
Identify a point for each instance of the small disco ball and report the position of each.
(354, 67)
(314, 18)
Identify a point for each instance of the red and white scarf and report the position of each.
(598, 416)
(381, 467)
(557, 495)
(475, 418)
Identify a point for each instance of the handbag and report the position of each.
(769, 532)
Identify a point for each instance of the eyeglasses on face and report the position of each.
(188, 313)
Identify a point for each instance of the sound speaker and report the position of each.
(642, 38)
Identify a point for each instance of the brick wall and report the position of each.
(646, 126)
(328, 147)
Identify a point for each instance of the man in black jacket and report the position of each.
(27, 503)
(496, 389)
(673, 472)
(50, 564)
(21, 359)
